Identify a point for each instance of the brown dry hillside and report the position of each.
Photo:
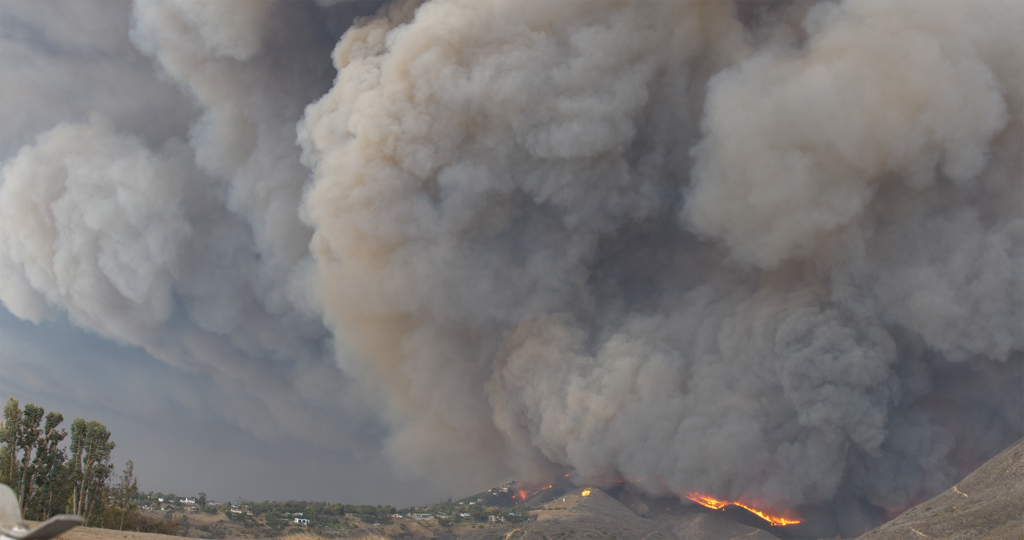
(599, 516)
(89, 533)
(988, 504)
(226, 530)
(596, 516)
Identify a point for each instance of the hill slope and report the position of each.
(989, 503)
(627, 516)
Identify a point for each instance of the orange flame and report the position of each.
(585, 492)
(716, 504)
(526, 492)
(700, 498)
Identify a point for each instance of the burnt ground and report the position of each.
(694, 521)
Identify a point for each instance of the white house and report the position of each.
(302, 521)
(421, 516)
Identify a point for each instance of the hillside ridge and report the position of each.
(988, 503)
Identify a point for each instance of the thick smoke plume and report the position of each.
(760, 250)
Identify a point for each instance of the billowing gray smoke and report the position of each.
(766, 250)
(188, 244)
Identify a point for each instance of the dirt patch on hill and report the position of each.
(89, 533)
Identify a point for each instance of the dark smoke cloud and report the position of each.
(772, 251)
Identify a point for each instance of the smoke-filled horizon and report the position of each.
(771, 251)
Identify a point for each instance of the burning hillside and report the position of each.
(776, 520)
(525, 492)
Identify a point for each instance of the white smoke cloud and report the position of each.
(92, 223)
(772, 251)
(187, 249)
(880, 93)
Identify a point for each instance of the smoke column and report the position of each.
(762, 250)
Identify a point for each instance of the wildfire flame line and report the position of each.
(527, 492)
(716, 504)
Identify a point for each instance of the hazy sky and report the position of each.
(164, 419)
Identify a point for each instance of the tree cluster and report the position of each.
(50, 477)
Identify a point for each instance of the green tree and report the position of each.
(9, 431)
(201, 500)
(20, 434)
(126, 489)
(89, 466)
(28, 439)
(48, 493)
(48, 481)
